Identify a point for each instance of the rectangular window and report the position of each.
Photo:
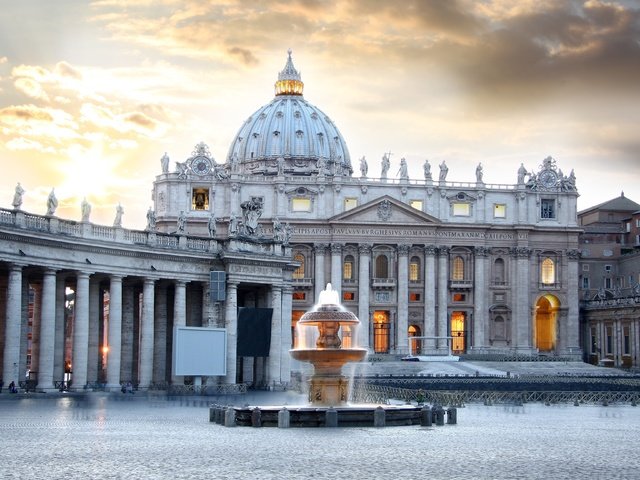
(585, 268)
(348, 296)
(414, 297)
(350, 203)
(459, 297)
(594, 341)
(499, 210)
(607, 282)
(499, 297)
(417, 204)
(200, 199)
(461, 209)
(547, 208)
(585, 282)
(609, 340)
(347, 271)
(607, 268)
(301, 204)
(628, 225)
(638, 222)
(299, 295)
(413, 272)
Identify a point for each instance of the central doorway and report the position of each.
(546, 323)
(381, 329)
(458, 332)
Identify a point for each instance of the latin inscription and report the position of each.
(403, 232)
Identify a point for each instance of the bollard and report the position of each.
(331, 417)
(284, 418)
(256, 417)
(212, 413)
(425, 416)
(452, 416)
(229, 417)
(379, 417)
(438, 415)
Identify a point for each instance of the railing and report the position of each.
(36, 222)
(302, 282)
(460, 284)
(222, 389)
(383, 282)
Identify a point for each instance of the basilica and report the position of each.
(431, 266)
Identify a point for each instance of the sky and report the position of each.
(92, 94)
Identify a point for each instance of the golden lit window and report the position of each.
(499, 210)
(301, 204)
(299, 272)
(548, 271)
(200, 199)
(417, 204)
(461, 209)
(414, 297)
(348, 296)
(458, 269)
(414, 269)
(298, 295)
(350, 203)
(347, 268)
(459, 297)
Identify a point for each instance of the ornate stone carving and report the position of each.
(320, 248)
(384, 210)
(430, 250)
(364, 189)
(251, 213)
(443, 251)
(481, 251)
(520, 252)
(573, 254)
(364, 248)
(336, 248)
(403, 249)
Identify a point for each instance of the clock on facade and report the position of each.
(201, 165)
(548, 178)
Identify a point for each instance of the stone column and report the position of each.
(47, 331)
(231, 323)
(126, 354)
(443, 297)
(285, 358)
(480, 312)
(114, 335)
(146, 335)
(364, 274)
(80, 332)
(429, 330)
(59, 352)
(522, 308)
(95, 313)
(207, 314)
(179, 320)
(573, 321)
(160, 336)
(402, 343)
(273, 365)
(36, 288)
(319, 281)
(336, 268)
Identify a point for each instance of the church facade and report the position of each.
(431, 266)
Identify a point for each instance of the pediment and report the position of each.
(384, 210)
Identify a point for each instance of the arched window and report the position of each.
(414, 269)
(347, 268)
(458, 269)
(548, 271)
(382, 266)
(299, 272)
(498, 271)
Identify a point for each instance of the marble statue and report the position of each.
(164, 162)
(479, 173)
(117, 222)
(233, 225)
(403, 171)
(278, 230)
(522, 172)
(181, 168)
(211, 226)
(443, 171)
(364, 168)
(280, 165)
(385, 166)
(288, 231)
(182, 222)
(17, 196)
(151, 220)
(427, 170)
(85, 208)
(52, 203)
(251, 213)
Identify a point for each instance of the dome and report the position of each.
(289, 135)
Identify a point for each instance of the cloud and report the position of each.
(23, 114)
(31, 89)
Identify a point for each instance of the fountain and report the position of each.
(326, 338)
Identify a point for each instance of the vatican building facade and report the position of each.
(431, 266)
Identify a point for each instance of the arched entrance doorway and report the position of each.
(546, 323)
(458, 332)
(415, 344)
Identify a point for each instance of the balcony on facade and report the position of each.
(460, 284)
(383, 283)
(302, 282)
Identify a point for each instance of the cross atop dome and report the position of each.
(289, 81)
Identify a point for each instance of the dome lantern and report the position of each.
(289, 82)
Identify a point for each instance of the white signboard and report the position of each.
(199, 351)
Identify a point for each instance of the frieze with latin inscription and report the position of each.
(404, 232)
(255, 270)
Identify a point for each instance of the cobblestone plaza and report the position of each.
(132, 436)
